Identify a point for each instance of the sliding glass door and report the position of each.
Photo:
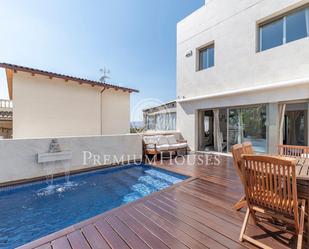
(248, 124)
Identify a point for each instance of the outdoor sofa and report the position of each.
(159, 144)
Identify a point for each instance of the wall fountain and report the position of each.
(54, 156)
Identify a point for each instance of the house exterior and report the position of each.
(243, 74)
(47, 104)
(6, 115)
(160, 118)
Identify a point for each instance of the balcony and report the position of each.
(6, 117)
(6, 105)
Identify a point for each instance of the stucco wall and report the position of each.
(45, 107)
(232, 25)
(187, 121)
(116, 112)
(18, 157)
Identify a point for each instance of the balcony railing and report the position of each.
(6, 104)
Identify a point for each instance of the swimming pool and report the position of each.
(31, 211)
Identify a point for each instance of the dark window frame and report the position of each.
(283, 17)
(201, 51)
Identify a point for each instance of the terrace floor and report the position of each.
(196, 213)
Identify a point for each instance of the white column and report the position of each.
(187, 124)
(273, 127)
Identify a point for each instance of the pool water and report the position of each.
(30, 211)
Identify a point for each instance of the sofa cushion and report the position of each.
(179, 146)
(162, 140)
(163, 147)
(150, 146)
(150, 139)
(171, 139)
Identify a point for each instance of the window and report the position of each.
(288, 28)
(271, 35)
(248, 124)
(207, 57)
(296, 26)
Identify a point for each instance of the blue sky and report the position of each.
(135, 39)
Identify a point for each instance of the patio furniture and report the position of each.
(237, 151)
(248, 148)
(293, 150)
(158, 144)
(271, 190)
(302, 180)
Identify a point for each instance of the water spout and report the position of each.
(54, 158)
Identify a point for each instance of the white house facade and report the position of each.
(46, 104)
(243, 74)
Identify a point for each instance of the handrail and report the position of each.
(5, 103)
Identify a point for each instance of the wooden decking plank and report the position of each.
(164, 236)
(61, 243)
(223, 212)
(172, 229)
(225, 195)
(127, 235)
(77, 240)
(203, 228)
(237, 188)
(150, 239)
(209, 198)
(113, 239)
(198, 206)
(232, 191)
(45, 246)
(183, 225)
(226, 228)
(215, 215)
(207, 217)
(94, 238)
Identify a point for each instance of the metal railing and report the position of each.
(5, 103)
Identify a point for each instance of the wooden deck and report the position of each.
(193, 214)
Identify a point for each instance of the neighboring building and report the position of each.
(6, 115)
(243, 74)
(47, 104)
(161, 118)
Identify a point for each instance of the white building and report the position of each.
(161, 117)
(46, 104)
(243, 74)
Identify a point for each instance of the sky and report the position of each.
(135, 39)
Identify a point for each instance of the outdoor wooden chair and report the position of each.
(237, 151)
(270, 187)
(293, 151)
(248, 148)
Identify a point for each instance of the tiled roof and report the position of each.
(65, 77)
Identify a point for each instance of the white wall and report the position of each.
(187, 120)
(18, 157)
(233, 27)
(45, 107)
(115, 112)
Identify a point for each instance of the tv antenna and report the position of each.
(105, 74)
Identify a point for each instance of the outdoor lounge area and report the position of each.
(154, 124)
(196, 213)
